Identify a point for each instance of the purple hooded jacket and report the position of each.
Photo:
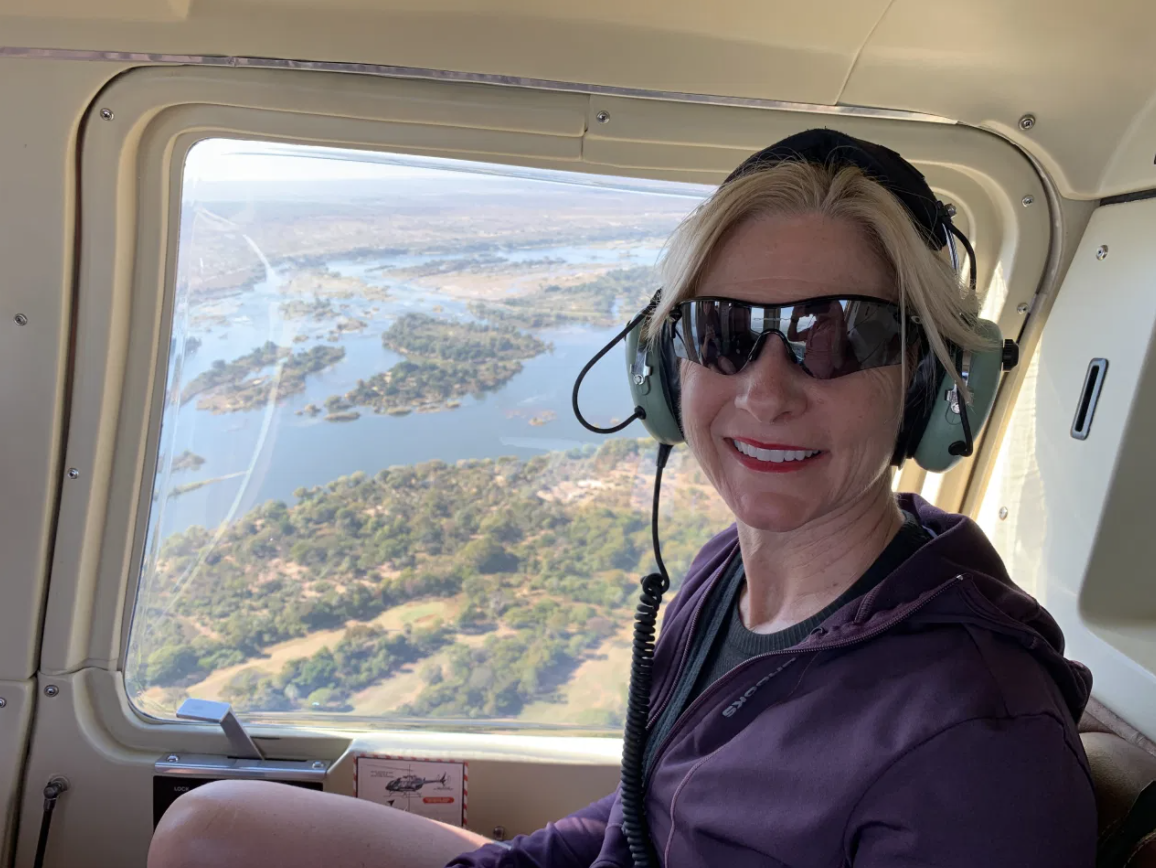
(930, 722)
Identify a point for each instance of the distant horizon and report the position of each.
(213, 166)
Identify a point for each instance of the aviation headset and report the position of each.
(936, 429)
(938, 426)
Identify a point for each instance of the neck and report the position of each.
(794, 575)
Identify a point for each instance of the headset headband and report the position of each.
(837, 150)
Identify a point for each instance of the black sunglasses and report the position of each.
(827, 337)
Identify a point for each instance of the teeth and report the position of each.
(776, 456)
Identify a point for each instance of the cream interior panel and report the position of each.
(797, 53)
(1133, 164)
(105, 818)
(1084, 71)
(1072, 518)
(15, 717)
(36, 187)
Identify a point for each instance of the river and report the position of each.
(268, 453)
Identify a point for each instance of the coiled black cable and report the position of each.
(632, 793)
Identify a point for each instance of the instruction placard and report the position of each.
(430, 788)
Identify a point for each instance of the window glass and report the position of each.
(372, 499)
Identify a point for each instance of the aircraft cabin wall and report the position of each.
(99, 204)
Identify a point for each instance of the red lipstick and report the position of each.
(773, 466)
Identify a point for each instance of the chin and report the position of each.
(772, 512)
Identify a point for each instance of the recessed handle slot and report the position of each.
(1089, 396)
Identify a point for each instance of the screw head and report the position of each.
(1102, 252)
(3, 701)
(639, 379)
(602, 117)
(51, 690)
(1027, 122)
(172, 758)
(318, 764)
(1002, 513)
(73, 473)
(1022, 307)
(949, 208)
(1027, 201)
(20, 319)
(106, 114)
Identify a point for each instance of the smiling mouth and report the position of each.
(774, 453)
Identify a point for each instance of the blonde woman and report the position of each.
(845, 677)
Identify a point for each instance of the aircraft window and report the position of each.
(371, 498)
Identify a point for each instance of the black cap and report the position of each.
(836, 150)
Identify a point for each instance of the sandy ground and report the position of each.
(596, 687)
(499, 285)
(419, 613)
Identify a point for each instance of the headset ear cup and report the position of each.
(943, 427)
(654, 388)
(925, 377)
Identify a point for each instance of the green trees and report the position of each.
(536, 563)
(231, 386)
(418, 335)
(445, 360)
(594, 302)
(327, 679)
(187, 461)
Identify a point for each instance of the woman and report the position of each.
(845, 678)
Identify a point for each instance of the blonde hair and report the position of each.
(924, 279)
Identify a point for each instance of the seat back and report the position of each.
(1123, 775)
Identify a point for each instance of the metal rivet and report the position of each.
(1002, 513)
(950, 209)
(51, 690)
(639, 379)
(106, 114)
(1102, 253)
(499, 833)
(73, 473)
(3, 701)
(1027, 122)
(20, 319)
(1022, 307)
(318, 764)
(602, 117)
(172, 758)
(1027, 200)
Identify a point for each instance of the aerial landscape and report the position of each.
(372, 500)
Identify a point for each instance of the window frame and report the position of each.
(132, 165)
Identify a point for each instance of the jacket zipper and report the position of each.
(737, 672)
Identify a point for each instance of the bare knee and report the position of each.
(208, 826)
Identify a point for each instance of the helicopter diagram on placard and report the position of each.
(431, 788)
(413, 783)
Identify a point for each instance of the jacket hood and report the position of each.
(960, 551)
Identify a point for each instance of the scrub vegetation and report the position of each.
(445, 360)
(535, 563)
(228, 387)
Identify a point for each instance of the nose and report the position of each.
(772, 387)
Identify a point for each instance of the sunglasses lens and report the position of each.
(828, 337)
(715, 333)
